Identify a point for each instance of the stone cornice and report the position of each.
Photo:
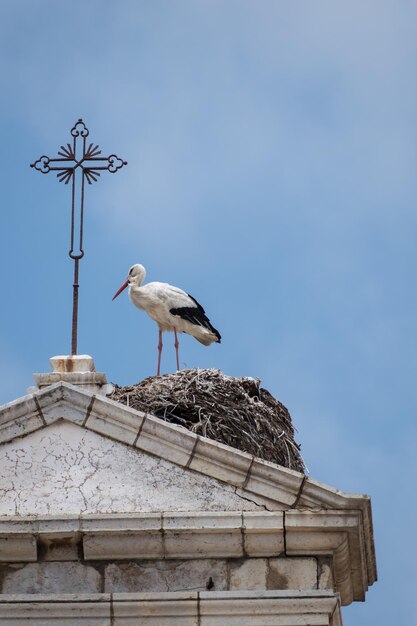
(339, 533)
(150, 535)
(252, 608)
(335, 533)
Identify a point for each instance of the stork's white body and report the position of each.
(158, 299)
(171, 308)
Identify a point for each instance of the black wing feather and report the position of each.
(195, 315)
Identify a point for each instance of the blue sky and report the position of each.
(272, 174)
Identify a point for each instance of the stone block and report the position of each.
(169, 575)
(168, 441)
(145, 545)
(197, 575)
(215, 459)
(57, 526)
(272, 608)
(248, 574)
(203, 544)
(274, 482)
(71, 610)
(292, 573)
(263, 533)
(131, 577)
(114, 420)
(11, 525)
(316, 493)
(73, 363)
(58, 401)
(305, 542)
(51, 578)
(19, 418)
(209, 534)
(20, 548)
(179, 609)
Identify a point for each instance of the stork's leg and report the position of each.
(159, 352)
(176, 344)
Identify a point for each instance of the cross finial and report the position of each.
(78, 162)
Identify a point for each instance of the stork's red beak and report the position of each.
(125, 284)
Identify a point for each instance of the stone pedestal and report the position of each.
(77, 369)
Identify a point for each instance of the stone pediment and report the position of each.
(76, 464)
(65, 468)
(276, 486)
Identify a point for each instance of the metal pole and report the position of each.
(75, 309)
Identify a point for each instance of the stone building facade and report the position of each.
(112, 517)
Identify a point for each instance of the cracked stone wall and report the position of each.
(166, 575)
(68, 469)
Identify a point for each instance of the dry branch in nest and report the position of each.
(234, 411)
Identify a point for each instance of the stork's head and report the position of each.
(136, 276)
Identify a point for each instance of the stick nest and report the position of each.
(234, 411)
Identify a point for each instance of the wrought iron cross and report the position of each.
(78, 163)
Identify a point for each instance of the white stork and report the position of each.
(171, 308)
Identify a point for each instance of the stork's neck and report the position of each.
(136, 282)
